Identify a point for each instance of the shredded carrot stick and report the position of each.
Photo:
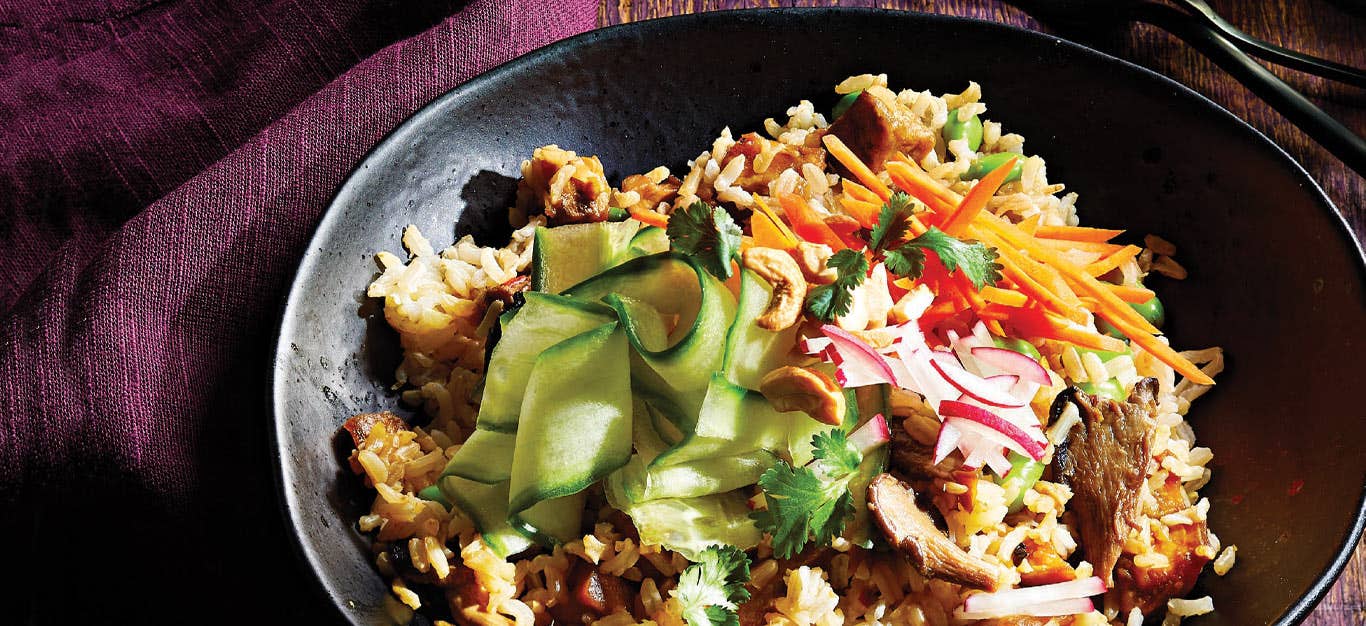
(767, 234)
(1133, 295)
(851, 162)
(647, 216)
(859, 192)
(977, 199)
(1059, 296)
(1075, 276)
(1006, 297)
(995, 327)
(1031, 225)
(1162, 351)
(1063, 245)
(777, 221)
(865, 212)
(1030, 287)
(916, 182)
(1099, 268)
(807, 225)
(1084, 337)
(1077, 233)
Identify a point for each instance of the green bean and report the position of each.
(985, 165)
(844, 104)
(970, 130)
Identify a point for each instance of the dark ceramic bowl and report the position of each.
(1276, 278)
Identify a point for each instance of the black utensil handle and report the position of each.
(1328, 132)
(1274, 53)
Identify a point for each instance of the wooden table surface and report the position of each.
(1334, 30)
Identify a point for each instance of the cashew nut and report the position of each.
(789, 287)
(791, 388)
(811, 257)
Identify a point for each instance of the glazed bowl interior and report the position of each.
(1274, 277)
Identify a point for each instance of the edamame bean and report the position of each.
(1152, 310)
(1024, 472)
(970, 130)
(615, 214)
(844, 104)
(985, 165)
(1109, 389)
(1018, 345)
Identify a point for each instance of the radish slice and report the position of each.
(1012, 362)
(1004, 382)
(871, 435)
(1019, 440)
(976, 387)
(1073, 606)
(814, 345)
(861, 365)
(1012, 601)
(947, 442)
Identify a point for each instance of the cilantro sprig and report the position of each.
(830, 301)
(711, 589)
(811, 503)
(907, 258)
(706, 233)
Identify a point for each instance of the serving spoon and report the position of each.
(1227, 46)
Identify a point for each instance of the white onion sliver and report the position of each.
(1015, 598)
(1056, 608)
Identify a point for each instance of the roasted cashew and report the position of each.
(789, 287)
(791, 388)
(811, 258)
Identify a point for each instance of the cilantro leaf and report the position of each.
(707, 234)
(711, 589)
(838, 457)
(977, 260)
(827, 302)
(892, 222)
(809, 505)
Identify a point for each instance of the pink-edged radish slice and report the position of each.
(871, 435)
(1057, 608)
(862, 365)
(1023, 442)
(925, 381)
(975, 386)
(1012, 362)
(947, 442)
(1014, 600)
(814, 345)
(1004, 382)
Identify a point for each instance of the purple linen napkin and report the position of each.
(152, 214)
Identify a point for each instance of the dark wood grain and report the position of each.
(1334, 30)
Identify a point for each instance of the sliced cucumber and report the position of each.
(575, 424)
(565, 255)
(543, 321)
(552, 522)
(734, 421)
(689, 525)
(695, 478)
(674, 379)
(486, 457)
(486, 505)
(870, 401)
(650, 240)
(751, 351)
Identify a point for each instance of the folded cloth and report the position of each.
(135, 469)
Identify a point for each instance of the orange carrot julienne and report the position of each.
(1063, 245)
(1099, 268)
(768, 235)
(1031, 225)
(916, 182)
(995, 327)
(1074, 275)
(1077, 233)
(851, 162)
(777, 221)
(1162, 351)
(1006, 297)
(807, 225)
(1030, 287)
(865, 212)
(1086, 338)
(1130, 294)
(859, 192)
(647, 216)
(977, 199)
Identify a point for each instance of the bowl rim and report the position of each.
(282, 470)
